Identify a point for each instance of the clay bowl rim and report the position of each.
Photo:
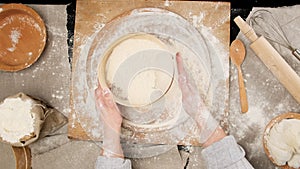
(277, 119)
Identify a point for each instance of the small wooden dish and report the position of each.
(277, 119)
(23, 37)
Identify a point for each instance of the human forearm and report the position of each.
(112, 154)
(215, 133)
(112, 120)
(215, 137)
(111, 142)
(209, 127)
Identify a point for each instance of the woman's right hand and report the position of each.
(194, 105)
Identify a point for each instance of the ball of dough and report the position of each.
(276, 137)
(292, 133)
(283, 142)
(295, 161)
(280, 156)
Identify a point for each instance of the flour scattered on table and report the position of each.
(98, 26)
(197, 19)
(167, 3)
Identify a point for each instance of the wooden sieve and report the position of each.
(102, 70)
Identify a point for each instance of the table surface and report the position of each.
(241, 8)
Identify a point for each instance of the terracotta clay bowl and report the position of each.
(277, 119)
(23, 37)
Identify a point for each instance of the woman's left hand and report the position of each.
(110, 113)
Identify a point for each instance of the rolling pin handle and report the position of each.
(245, 28)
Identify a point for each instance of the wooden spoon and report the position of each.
(237, 55)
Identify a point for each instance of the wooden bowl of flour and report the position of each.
(15, 157)
(266, 137)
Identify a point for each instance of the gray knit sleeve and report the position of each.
(226, 153)
(112, 163)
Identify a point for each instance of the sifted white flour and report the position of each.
(16, 119)
(139, 67)
(128, 48)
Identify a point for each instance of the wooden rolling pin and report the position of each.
(272, 59)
